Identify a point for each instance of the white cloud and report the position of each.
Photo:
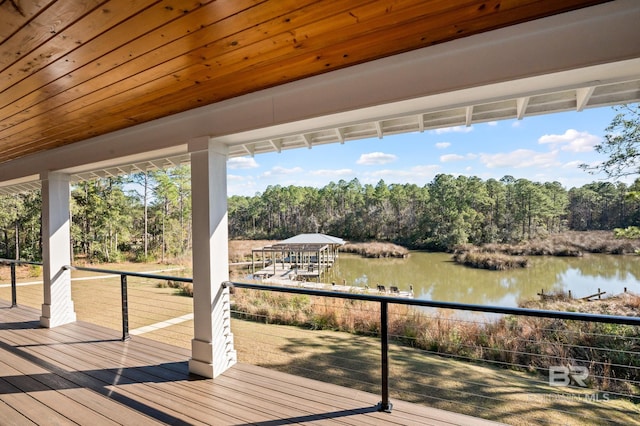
(281, 171)
(492, 123)
(516, 123)
(571, 141)
(443, 145)
(376, 158)
(332, 173)
(520, 158)
(242, 163)
(454, 129)
(451, 157)
(456, 157)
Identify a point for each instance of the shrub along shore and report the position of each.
(522, 343)
(570, 243)
(375, 249)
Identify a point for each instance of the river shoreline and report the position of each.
(566, 244)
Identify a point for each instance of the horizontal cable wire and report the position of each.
(152, 308)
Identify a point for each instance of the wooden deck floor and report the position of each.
(83, 374)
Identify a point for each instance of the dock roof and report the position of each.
(313, 239)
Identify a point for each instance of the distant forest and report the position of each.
(153, 222)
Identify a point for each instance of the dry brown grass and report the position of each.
(591, 242)
(22, 272)
(527, 343)
(375, 249)
(492, 261)
(569, 243)
(625, 304)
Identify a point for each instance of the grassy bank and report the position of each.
(570, 243)
(492, 261)
(522, 343)
(375, 249)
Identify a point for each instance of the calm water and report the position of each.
(435, 277)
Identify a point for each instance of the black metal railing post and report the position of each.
(125, 308)
(14, 294)
(384, 405)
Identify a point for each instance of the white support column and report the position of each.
(57, 308)
(212, 346)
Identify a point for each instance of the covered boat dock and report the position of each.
(303, 257)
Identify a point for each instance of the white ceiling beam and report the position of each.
(378, 129)
(250, 149)
(155, 166)
(469, 115)
(521, 107)
(421, 122)
(276, 144)
(340, 134)
(307, 140)
(582, 97)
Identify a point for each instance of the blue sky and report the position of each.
(541, 148)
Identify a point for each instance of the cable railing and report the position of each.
(561, 373)
(124, 289)
(529, 351)
(149, 307)
(12, 265)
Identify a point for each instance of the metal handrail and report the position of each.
(123, 285)
(129, 274)
(575, 316)
(385, 405)
(20, 262)
(123, 288)
(12, 264)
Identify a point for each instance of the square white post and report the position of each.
(212, 345)
(57, 308)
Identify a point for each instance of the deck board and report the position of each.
(83, 374)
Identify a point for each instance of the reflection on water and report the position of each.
(435, 277)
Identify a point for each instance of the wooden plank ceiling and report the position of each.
(73, 69)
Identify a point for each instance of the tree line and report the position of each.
(448, 211)
(148, 215)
